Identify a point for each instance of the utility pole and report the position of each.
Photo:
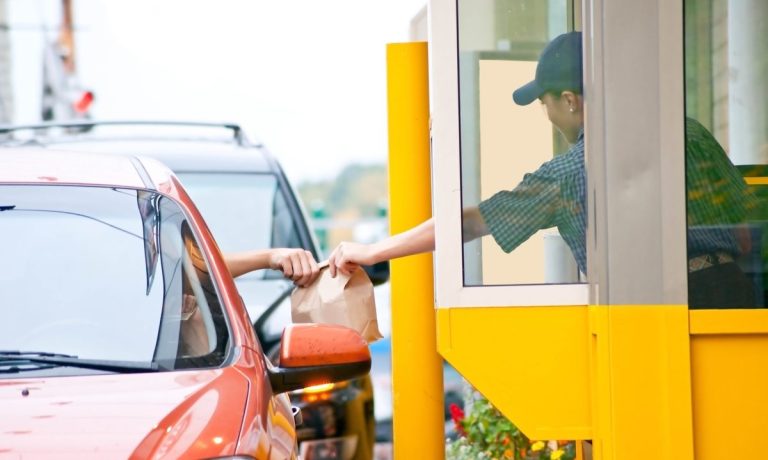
(63, 96)
(6, 94)
(66, 39)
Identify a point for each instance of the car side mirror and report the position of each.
(378, 273)
(314, 354)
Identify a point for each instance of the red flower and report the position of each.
(457, 415)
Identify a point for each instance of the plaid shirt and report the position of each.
(717, 196)
(555, 196)
(552, 196)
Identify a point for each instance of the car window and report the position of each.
(244, 211)
(106, 273)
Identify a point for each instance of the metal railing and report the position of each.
(85, 125)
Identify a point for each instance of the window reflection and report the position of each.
(726, 66)
(194, 331)
(533, 207)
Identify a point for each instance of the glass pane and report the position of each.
(120, 278)
(226, 198)
(244, 212)
(515, 185)
(247, 211)
(726, 66)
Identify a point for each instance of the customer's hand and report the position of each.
(194, 336)
(188, 306)
(296, 264)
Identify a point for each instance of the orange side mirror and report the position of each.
(313, 354)
(321, 344)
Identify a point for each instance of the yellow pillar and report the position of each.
(417, 379)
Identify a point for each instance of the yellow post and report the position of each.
(417, 379)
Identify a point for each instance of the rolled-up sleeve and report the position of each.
(512, 216)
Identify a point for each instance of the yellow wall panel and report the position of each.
(531, 362)
(729, 373)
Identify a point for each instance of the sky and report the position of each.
(307, 78)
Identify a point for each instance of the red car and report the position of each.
(122, 332)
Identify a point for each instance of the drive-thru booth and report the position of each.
(611, 353)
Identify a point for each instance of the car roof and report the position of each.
(37, 165)
(182, 145)
(181, 155)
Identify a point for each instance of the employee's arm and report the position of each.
(417, 240)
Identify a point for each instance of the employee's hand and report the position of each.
(296, 264)
(348, 256)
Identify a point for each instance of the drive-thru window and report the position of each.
(653, 343)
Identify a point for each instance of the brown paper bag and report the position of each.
(346, 300)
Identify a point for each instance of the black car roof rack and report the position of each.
(237, 131)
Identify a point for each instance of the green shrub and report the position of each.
(485, 434)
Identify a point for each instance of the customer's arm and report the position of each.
(297, 264)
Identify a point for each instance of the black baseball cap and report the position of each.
(559, 69)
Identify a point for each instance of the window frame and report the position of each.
(446, 179)
(644, 254)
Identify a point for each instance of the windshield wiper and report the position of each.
(34, 353)
(60, 359)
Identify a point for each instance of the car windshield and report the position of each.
(107, 274)
(244, 211)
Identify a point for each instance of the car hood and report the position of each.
(117, 415)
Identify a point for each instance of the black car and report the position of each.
(248, 203)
